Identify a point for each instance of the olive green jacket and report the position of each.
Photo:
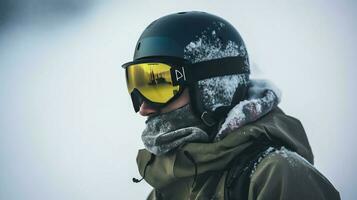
(249, 163)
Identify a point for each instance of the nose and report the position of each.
(146, 110)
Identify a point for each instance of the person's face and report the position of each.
(146, 110)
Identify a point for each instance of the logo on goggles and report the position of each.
(180, 74)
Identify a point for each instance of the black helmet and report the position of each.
(198, 37)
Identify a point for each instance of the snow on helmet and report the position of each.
(197, 37)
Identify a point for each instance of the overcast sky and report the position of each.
(67, 127)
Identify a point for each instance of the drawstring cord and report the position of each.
(188, 155)
(152, 158)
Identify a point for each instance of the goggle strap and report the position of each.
(182, 75)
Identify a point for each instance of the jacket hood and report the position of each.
(273, 129)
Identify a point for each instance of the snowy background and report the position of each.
(67, 128)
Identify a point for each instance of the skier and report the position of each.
(211, 132)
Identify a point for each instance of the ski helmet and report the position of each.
(210, 46)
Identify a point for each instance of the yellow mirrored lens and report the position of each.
(153, 80)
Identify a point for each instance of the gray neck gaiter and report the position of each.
(167, 131)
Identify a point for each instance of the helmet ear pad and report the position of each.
(240, 94)
(196, 100)
(199, 110)
(209, 116)
(219, 113)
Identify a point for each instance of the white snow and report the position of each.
(267, 152)
(219, 91)
(208, 48)
(293, 158)
(261, 99)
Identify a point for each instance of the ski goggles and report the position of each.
(160, 81)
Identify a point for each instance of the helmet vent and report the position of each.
(181, 13)
(138, 46)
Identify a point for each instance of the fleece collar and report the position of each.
(263, 96)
